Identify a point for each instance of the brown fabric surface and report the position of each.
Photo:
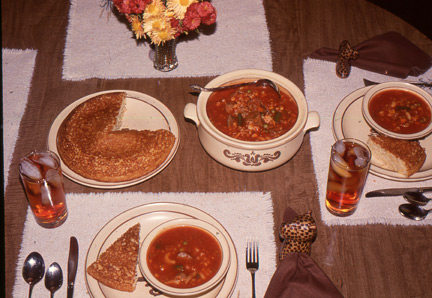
(299, 276)
(390, 54)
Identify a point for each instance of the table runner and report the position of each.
(103, 47)
(17, 73)
(324, 91)
(245, 214)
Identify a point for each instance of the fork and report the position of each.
(252, 260)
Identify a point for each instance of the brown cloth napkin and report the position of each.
(298, 276)
(390, 54)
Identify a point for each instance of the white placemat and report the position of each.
(17, 73)
(102, 47)
(242, 214)
(324, 90)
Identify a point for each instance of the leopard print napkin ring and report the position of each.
(298, 234)
(345, 55)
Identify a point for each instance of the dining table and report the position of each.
(365, 259)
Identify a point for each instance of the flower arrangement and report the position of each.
(163, 20)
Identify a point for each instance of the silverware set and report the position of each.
(416, 200)
(252, 260)
(34, 270)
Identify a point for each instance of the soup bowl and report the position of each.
(251, 155)
(391, 113)
(170, 249)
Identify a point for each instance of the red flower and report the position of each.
(207, 13)
(192, 18)
(131, 6)
(205, 8)
(177, 26)
(191, 22)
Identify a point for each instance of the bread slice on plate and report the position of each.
(116, 267)
(401, 156)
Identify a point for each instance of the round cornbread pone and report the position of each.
(90, 143)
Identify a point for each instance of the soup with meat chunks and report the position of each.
(184, 257)
(400, 111)
(252, 113)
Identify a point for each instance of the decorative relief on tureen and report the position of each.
(253, 159)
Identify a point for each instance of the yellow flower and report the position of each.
(159, 37)
(154, 9)
(159, 29)
(137, 27)
(179, 7)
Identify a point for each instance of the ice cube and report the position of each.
(53, 177)
(340, 147)
(360, 162)
(338, 166)
(46, 194)
(360, 152)
(47, 160)
(29, 169)
(338, 158)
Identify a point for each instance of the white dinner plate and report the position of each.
(142, 112)
(348, 122)
(150, 216)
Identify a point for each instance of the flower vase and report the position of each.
(165, 58)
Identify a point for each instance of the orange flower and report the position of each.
(137, 27)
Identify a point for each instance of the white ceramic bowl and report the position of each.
(400, 86)
(209, 285)
(244, 155)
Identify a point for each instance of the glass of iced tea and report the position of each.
(42, 179)
(349, 166)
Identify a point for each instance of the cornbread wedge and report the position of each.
(91, 144)
(116, 267)
(401, 156)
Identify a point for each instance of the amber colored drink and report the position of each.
(349, 165)
(42, 179)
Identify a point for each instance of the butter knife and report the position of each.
(72, 266)
(395, 191)
(420, 84)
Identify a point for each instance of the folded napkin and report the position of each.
(298, 276)
(243, 215)
(18, 68)
(390, 54)
(324, 91)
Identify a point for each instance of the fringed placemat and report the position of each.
(245, 214)
(18, 68)
(101, 46)
(324, 91)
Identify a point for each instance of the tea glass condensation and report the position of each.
(349, 165)
(42, 179)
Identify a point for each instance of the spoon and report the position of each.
(33, 270)
(417, 198)
(414, 212)
(262, 82)
(53, 278)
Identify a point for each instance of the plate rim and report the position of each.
(70, 174)
(126, 216)
(338, 134)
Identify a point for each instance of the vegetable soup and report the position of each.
(252, 113)
(184, 257)
(400, 111)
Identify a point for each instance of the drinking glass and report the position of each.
(42, 179)
(349, 165)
